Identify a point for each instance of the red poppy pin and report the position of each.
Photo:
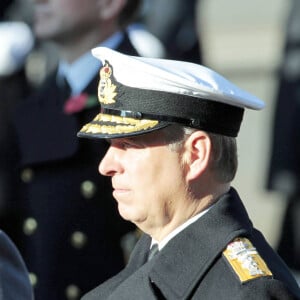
(79, 102)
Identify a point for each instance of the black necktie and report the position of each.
(153, 251)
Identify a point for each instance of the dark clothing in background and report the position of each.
(14, 279)
(174, 23)
(14, 88)
(72, 228)
(284, 171)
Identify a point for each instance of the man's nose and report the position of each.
(109, 164)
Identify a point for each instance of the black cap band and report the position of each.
(208, 115)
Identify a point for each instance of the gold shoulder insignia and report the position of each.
(245, 260)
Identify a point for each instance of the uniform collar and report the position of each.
(177, 230)
(201, 242)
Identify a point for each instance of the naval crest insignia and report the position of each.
(106, 89)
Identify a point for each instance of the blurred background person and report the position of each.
(173, 22)
(71, 228)
(17, 41)
(284, 171)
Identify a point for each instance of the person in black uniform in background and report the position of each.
(16, 40)
(174, 23)
(172, 128)
(71, 228)
(284, 168)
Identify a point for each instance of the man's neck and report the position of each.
(191, 208)
(71, 50)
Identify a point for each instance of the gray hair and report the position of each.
(224, 161)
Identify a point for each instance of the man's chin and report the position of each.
(126, 214)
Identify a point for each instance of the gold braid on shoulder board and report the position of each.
(245, 260)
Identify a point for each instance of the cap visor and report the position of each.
(106, 126)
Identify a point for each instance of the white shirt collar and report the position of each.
(172, 234)
(80, 73)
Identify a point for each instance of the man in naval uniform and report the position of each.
(72, 229)
(172, 129)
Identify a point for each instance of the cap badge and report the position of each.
(106, 89)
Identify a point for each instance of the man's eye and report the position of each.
(122, 145)
(127, 145)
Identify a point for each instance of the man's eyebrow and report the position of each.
(127, 139)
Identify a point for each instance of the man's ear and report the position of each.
(110, 8)
(197, 154)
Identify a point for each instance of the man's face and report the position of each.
(63, 19)
(147, 179)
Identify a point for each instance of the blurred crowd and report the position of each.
(284, 165)
(53, 204)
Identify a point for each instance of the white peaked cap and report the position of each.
(138, 95)
(177, 77)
